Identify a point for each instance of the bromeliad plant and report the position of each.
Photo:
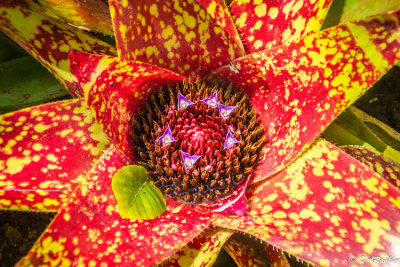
(243, 141)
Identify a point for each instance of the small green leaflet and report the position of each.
(137, 197)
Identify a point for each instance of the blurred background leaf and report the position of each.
(9, 49)
(92, 15)
(25, 82)
(342, 11)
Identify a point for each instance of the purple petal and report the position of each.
(230, 140)
(166, 138)
(183, 102)
(211, 101)
(225, 111)
(189, 160)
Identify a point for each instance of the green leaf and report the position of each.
(9, 50)
(137, 197)
(24, 82)
(354, 127)
(342, 11)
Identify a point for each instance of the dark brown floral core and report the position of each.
(197, 149)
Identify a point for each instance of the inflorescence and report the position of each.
(197, 142)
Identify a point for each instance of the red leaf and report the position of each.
(298, 89)
(47, 39)
(377, 161)
(46, 151)
(90, 231)
(190, 38)
(115, 90)
(265, 24)
(323, 208)
(202, 250)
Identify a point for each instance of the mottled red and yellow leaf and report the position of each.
(202, 250)
(299, 88)
(90, 231)
(45, 152)
(48, 39)
(189, 37)
(264, 24)
(324, 207)
(377, 161)
(246, 251)
(115, 90)
(92, 15)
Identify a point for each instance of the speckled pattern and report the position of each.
(323, 208)
(377, 161)
(45, 152)
(117, 91)
(281, 83)
(89, 230)
(246, 251)
(47, 39)
(188, 37)
(202, 251)
(265, 24)
(90, 14)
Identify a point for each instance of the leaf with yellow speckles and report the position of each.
(137, 197)
(38, 85)
(327, 206)
(246, 251)
(89, 229)
(322, 207)
(115, 89)
(264, 24)
(377, 161)
(45, 152)
(188, 37)
(47, 39)
(202, 250)
(282, 83)
(348, 10)
(89, 14)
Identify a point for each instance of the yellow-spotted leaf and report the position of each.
(88, 14)
(48, 39)
(264, 24)
(90, 231)
(137, 197)
(298, 89)
(377, 161)
(115, 88)
(188, 37)
(45, 153)
(202, 250)
(323, 208)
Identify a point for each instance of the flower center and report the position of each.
(197, 142)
